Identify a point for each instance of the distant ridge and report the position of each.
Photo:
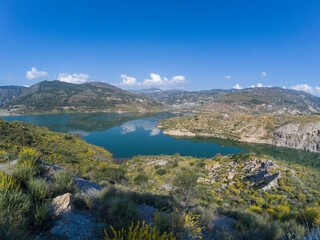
(7, 93)
(91, 96)
(251, 100)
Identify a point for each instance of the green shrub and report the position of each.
(201, 164)
(251, 225)
(39, 189)
(29, 158)
(182, 225)
(161, 172)
(293, 230)
(116, 175)
(143, 231)
(23, 174)
(122, 212)
(118, 211)
(42, 216)
(14, 210)
(140, 179)
(63, 181)
(83, 201)
(186, 181)
(310, 216)
(7, 182)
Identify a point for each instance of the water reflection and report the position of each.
(127, 135)
(147, 125)
(301, 157)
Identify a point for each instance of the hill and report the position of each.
(56, 96)
(8, 93)
(239, 196)
(285, 130)
(250, 100)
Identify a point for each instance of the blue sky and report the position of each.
(169, 44)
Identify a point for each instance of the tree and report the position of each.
(186, 181)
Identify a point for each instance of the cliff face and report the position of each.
(294, 135)
(292, 131)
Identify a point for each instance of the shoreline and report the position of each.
(6, 113)
(186, 133)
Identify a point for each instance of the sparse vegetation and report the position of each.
(264, 198)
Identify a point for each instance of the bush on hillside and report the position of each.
(63, 181)
(138, 231)
(39, 189)
(140, 179)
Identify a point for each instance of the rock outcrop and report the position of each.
(299, 136)
(62, 204)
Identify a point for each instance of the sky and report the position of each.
(185, 44)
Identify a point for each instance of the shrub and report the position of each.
(122, 212)
(161, 172)
(116, 175)
(63, 181)
(42, 216)
(310, 216)
(83, 201)
(30, 158)
(140, 179)
(23, 174)
(119, 211)
(7, 182)
(201, 164)
(39, 189)
(255, 209)
(14, 209)
(183, 225)
(143, 231)
(207, 215)
(186, 181)
(293, 230)
(255, 226)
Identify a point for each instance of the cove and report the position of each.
(127, 135)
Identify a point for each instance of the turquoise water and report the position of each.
(127, 135)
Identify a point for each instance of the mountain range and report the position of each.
(57, 96)
(250, 100)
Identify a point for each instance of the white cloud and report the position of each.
(74, 78)
(146, 125)
(154, 80)
(263, 74)
(35, 74)
(227, 77)
(237, 86)
(128, 81)
(259, 85)
(307, 88)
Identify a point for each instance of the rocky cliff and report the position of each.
(292, 131)
(295, 135)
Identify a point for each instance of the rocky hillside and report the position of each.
(250, 100)
(293, 131)
(56, 96)
(240, 196)
(8, 93)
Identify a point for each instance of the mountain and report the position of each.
(7, 93)
(251, 100)
(56, 96)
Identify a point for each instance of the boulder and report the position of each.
(62, 204)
